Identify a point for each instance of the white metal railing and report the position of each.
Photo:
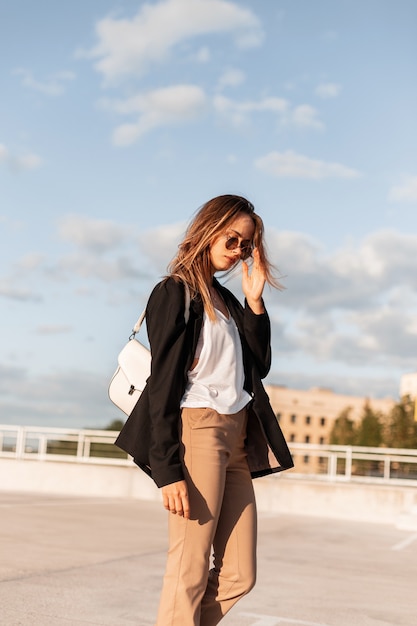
(61, 444)
(334, 463)
(350, 463)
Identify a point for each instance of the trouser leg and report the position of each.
(234, 545)
(190, 540)
(222, 515)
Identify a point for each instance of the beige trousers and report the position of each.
(222, 521)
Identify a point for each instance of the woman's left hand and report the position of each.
(253, 283)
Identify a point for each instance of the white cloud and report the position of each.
(384, 256)
(87, 265)
(289, 164)
(354, 307)
(305, 116)
(17, 163)
(54, 85)
(231, 77)
(238, 113)
(407, 192)
(10, 291)
(160, 244)
(390, 332)
(96, 236)
(328, 90)
(98, 252)
(355, 385)
(269, 104)
(28, 162)
(161, 107)
(99, 243)
(30, 262)
(129, 47)
(64, 397)
(105, 251)
(19, 284)
(354, 276)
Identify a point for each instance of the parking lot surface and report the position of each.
(95, 561)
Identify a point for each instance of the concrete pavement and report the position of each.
(72, 561)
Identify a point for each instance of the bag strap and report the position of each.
(142, 316)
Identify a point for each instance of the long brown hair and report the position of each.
(192, 264)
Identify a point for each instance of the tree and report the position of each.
(343, 431)
(370, 429)
(402, 428)
(115, 425)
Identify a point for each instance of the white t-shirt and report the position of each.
(217, 379)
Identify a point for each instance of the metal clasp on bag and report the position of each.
(131, 390)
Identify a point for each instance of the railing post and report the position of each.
(43, 446)
(387, 468)
(80, 445)
(87, 448)
(333, 466)
(348, 466)
(20, 441)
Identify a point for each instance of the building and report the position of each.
(307, 416)
(408, 385)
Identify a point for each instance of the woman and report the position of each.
(203, 427)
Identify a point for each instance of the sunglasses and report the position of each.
(246, 248)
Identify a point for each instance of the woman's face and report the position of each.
(241, 228)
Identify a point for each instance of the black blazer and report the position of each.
(151, 433)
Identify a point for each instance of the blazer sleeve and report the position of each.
(257, 329)
(166, 331)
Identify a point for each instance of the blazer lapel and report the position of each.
(196, 315)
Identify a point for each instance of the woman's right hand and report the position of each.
(175, 498)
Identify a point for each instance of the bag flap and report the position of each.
(135, 362)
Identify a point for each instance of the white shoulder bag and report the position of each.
(134, 367)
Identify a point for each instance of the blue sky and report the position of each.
(120, 118)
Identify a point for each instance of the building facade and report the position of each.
(307, 416)
(408, 385)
